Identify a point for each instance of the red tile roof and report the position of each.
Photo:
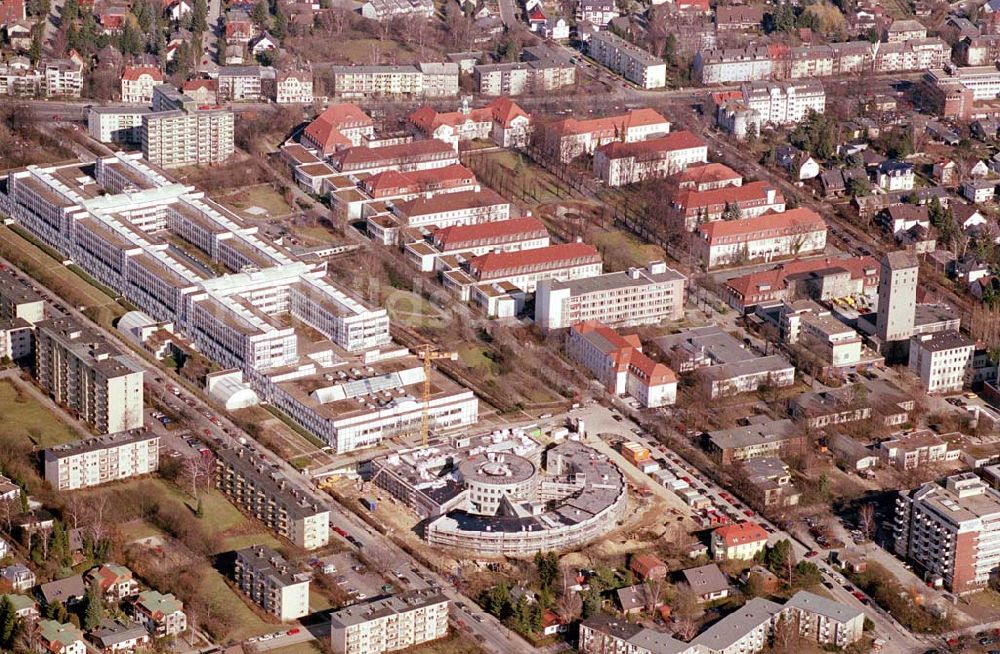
(536, 14)
(741, 534)
(457, 201)
(196, 84)
(133, 73)
(501, 110)
(324, 131)
(11, 11)
(394, 182)
(610, 124)
(669, 143)
(502, 264)
(749, 286)
(712, 172)
(415, 150)
(754, 191)
(626, 353)
(501, 231)
(794, 220)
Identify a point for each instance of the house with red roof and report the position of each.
(502, 120)
(138, 83)
(114, 581)
(112, 18)
(708, 177)
(746, 201)
(740, 542)
(340, 126)
(568, 139)
(552, 624)
(202, 91)
(620, 365)
(619, 164)
(11, 11)
(393, 184)
(414, 155)
(762, 238)
(537, 20)
(833, 277)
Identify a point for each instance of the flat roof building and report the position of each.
(389, 624)
(101, 460)
(272, 583)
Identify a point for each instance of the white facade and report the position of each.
(420, 80)
(762, 238)
(294, 88)
(171, 139)
(619, 164)
(784, 104)
(101, 460)
(631, 62)
(386, 625)
(138, 83)
(942, 360)
(16, 339)
(271, 582)
(116, 124)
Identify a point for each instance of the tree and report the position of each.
(496, 600)
(24, 501)
(93, 607)
(259, 14)
(279, 26)
(866, 519)
(786, 634)
(70, 12)
(38, 7)
(35, 51)
(199, 17)
(547, 565)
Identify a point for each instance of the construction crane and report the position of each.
(428, 353)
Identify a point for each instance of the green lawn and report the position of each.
(301, 648)
(225, 600)
(262, 196)
(621, 250)
(474, 356)
(22, 416)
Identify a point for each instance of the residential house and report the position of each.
(707, 582)
(648, 567)
(741, 541)
(57, 638)
(798, 164)
(162, 615)
(114, 581)
(895, 176)
(138, 83)
(116, 637)
(18, 576)
(68, 591)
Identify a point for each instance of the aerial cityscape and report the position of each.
(499, 326)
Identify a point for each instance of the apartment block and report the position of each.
(424, 80)
(138, 82)
(620, 365)
(204, 137)
(393, 623)
(628, 60)
(824, 621)
(637, 296)
(776, 438)
(61, 78)
(567, 139)
(763, 238)
(271, 582)
(19, 300)
(762, 103)
(81, 371)
(619, 164)
(596, 12)
(17, 339)
(267, 495)
(518, 78)
(942, 360)
(102, 460)
(951, 532)
(246, 83)
(382, 10)
(116, 124)
(915, 449)
(741, 541)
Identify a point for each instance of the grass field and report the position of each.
(456, 644)
(262, 196)
(412, 309)
(301, 648)
(22, 416)
(52, 274)
(538, 185)
(621, 250)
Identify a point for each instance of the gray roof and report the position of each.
(940, 341)
(617, 280)
(375, 609)
(656, 642)
(63, 590)
(736, 625)
(99, 443)
(112, 632)
(768, 432)
(265, 561)
(706, 579)
(826, 607)
(900, 260)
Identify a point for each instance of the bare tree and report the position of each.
(97, 510)
(198, 471)
(652, 591)
(866, 519)
(569, 606)
(686, 611)
(7, 511)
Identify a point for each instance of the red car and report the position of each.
(748, 513)
(811, 553)
(858, 595)
(292, 632)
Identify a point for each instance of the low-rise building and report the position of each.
(746, 201)
(293, 87)
(770, 482)
(502, 120)
(762, 238)
(775, 438)
(620, 365)
(525, 268)
(619, 164)
(648, 567)
(910, 450)
(404, 157)
(18, 576)
(637, 296)
(17, 339)
(339, 126)
(389, 624)
(708, 177)
(476, 239)
(738, 542)
(101, 460)
(628, 60)
(58, 638)
(138, 83)
(382, 10)
(115, 582)
(567, 139)
(942, 360)
(271, 498)
(271, 582)
(596, 12)
(161, 615)
(820, 279)
(114, 637)
(707, 582)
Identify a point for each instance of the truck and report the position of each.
(369, 503)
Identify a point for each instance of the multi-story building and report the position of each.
(904, 30)
(76, 365)
(449, 209)
(821, 279)
(18, 300)
(382, 10)
(138, 83)
(776, 438)
(246, 83)
(502, 120)
(403, 157)
(96, 461)
(525, 268)
(620, 365)
(824, 621)
(293, 87)
(770, 482)
(960, 92)
(745, 201)
(596, 12)
(618, 164)
(567, 139)
(474, 240)
(271, 582)
(17, 339)
(339, 126)
(942, 360)
(771, 103)
(518, 78)
(61, 78)
(204, 137)
(708, 177)
(389, 624)
(161, 614)
(837, 345)
(909, 450)
(267, 495)
(897, 297)
(116, 582)
(18, 576)
(951, 532)
(979, 50)
(425, 80)
(111, 124)
(628, 60)
(58, 638)
(762, 238)
(738, 542)
(637, 296)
